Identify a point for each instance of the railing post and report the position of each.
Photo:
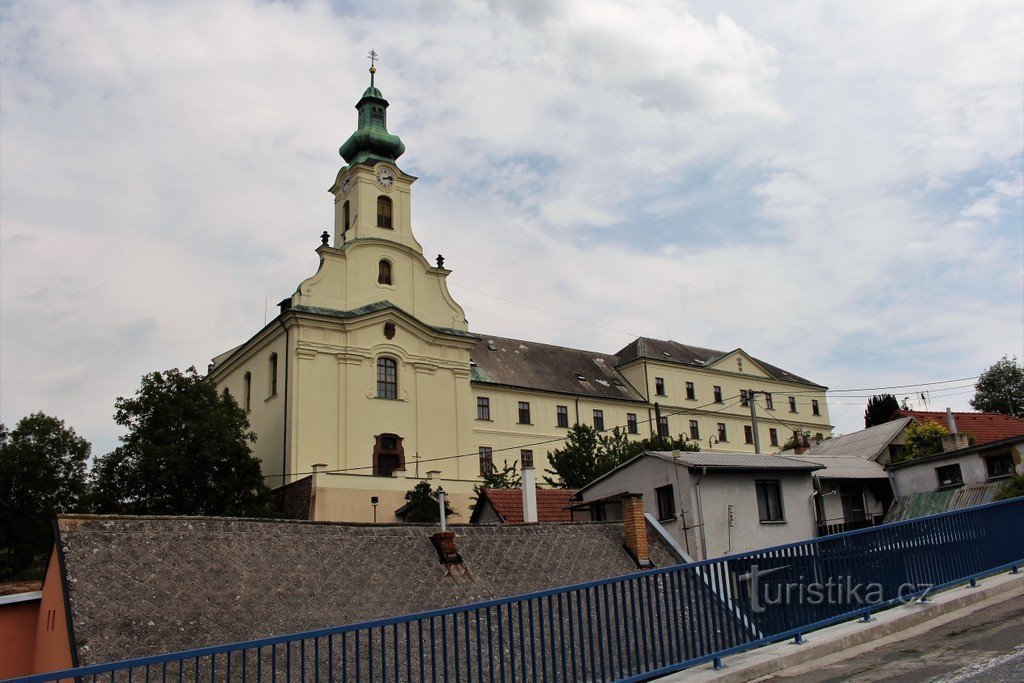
(798, 639)
(867, 618)
(1014, 570)
(718, 663)
(974, 583)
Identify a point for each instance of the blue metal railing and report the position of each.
(625, 628)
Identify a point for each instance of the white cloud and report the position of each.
(836, 189)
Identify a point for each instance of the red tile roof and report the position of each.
(985, 427)
(552, 504)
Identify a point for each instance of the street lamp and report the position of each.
(374, 501)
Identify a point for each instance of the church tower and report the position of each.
(367, 367)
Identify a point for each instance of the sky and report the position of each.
(836, 188)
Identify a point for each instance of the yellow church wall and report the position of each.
(347, 497)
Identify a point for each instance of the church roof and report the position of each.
(145, 585)
(696, 356)
(545, 367)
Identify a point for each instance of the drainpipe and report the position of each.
(577, 408)
(700, 511)
(284, 402)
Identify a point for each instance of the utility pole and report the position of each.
(752, 400)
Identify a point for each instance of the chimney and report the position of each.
(635, 528)
(801, 441)
(433, 474)
(954, 442)
(529, 494)
(950, 421)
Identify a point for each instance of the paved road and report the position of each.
(986, 646)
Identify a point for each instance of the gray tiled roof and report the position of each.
(527, 364)
(145, 585)
(846, 468)
(867, 443)
(668, 351)
(726, 460)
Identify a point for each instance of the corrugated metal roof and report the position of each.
(867, 443)
(847, 468)
(934, 502)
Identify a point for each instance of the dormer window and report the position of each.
(384, 272)
(384, 212)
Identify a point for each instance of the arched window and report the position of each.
(273, 374)
(247, 381)
(384, 272)
(345, 215)
(387, 378)
(383, 212)
(388, 455)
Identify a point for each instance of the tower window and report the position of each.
(383, 212)
(384, 272)
(273, 374)
(345, 209)
(387, 378)
(247, 381)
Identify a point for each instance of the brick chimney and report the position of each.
(954, 442)
(635, 528)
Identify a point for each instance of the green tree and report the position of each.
(187, 452)
(587, 454)
(921, 440)
(424, 506)
(1000, 389)
(1011, 488)
(880, 409)
(42, 473)
(506, 478)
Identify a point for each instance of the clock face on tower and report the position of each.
(385, 178)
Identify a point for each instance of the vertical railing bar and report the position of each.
(396, 662)
(419, 646)
(469, 647)
(575, 628)
(455, 644)
(383, 652)
(512, 644)
(639, 637)
(552, 639)
(533, 642)
(542, 643)
(501, 644)
(433, 652)
(612, 609)
(408, 651)
(561, 629)
(479, 645)
(593, 612)
(522, 640)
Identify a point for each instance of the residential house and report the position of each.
(371, 375)
(980, 428)
(853, 488)
(122, 587)
(712, 503)
(961, 476)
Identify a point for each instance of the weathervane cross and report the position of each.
(373, 57)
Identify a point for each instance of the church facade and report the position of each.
(370, 380)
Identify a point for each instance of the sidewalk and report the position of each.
(852, 638)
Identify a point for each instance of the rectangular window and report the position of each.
(248, 392)
(768, 401)
(599, 420)
(792, 404)
(718, 394)
(949, 476)
(815, 410)
(694, 430)
(769, 500)
(631, 423)
(691, 393)
(524, 412)
(486, 460)
(773, 436)
(273, 374)
(387, 378)
(659, 386)
(744, 397)
(748, 434)
(666, 503)
(721, 432)
(663, 426)
(999, 465)
(562, 416)
(526, 457)
(483, 408)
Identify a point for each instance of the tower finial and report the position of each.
(373, 56)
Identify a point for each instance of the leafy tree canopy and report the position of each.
(1000, 389)
(187, 452)
(42, 473)
(424, 506)
(880, 409)
(588, 454)
(507, 477)
(921, 440)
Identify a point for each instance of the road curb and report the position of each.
(770, 659)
